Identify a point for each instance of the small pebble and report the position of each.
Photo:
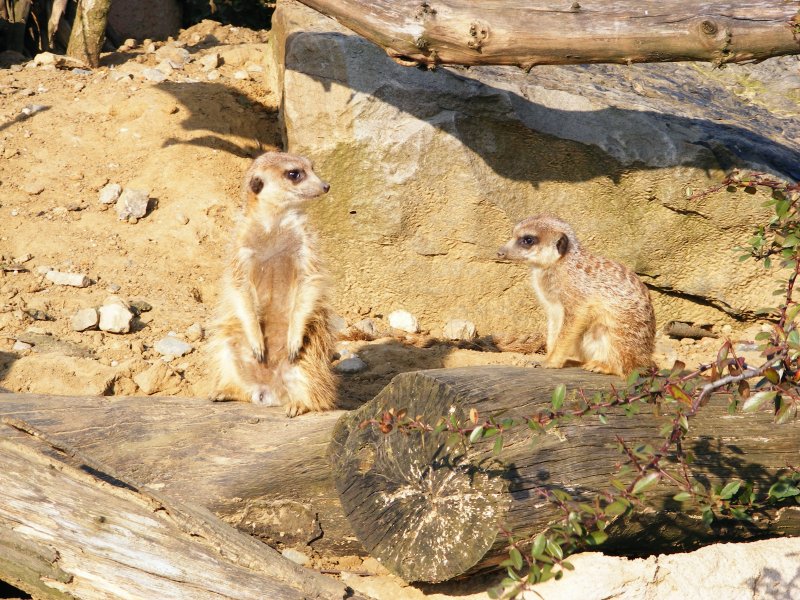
(154, 75)
(71, 279)
(110, 193)
(687, 342)
(209, 61)
(113, 288)
(85, 319)
(404, 321)
(213, 75)
(241, 75)
(115, 318)
(194, 333)
(172, 346)
(132, 204)
(33, 188)
(459, 329)
(20, 346)
(366, 326)
(353, 364)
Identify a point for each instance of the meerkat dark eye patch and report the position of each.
(526, 241)
(256, 185)
(295, 175)
(562, 245)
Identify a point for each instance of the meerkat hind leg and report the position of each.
(598, 351)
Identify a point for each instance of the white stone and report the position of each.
(177, 55)
(86, 318)
(165, 66)
(241, 75)
(110, 193)
(213, 75)
(353, 364)
(366, 326)
(154, 75)
(132, 204)
(20, 346)
(194, 333)
(337, 324)
(115, 318)
(172, 346)
(404, 321)
(72, 279)
(209, 61)
(459, 329)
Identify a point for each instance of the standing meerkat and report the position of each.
(598, 311)
(272, 340)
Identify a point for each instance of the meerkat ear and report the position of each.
(256, 184)
(562, 245)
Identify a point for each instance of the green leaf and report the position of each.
(730, 490)
(754, 402)
(476, 434)
(785, 413)
(554, 550)
(597, 537)
(682, 496)
(539, 544)
(708, 516)
(794, 338)
(646, 482)
(616, 508)
(498, 445)
(495, 592)
(559, 394)
(782, 489)
(516, 558)
(603, 418)
(791, 314)
(739, 513)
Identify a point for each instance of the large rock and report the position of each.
(140, 19)
(430, 170)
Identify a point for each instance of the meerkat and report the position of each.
(271, 340)
(598, 311)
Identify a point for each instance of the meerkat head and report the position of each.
(539, 241)
(279, 181)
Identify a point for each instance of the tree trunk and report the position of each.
(498, 32)
(254, 468)
(71, 528)
(430, 513)
(89, 31)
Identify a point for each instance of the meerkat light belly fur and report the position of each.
(598, 311)
(271, 339)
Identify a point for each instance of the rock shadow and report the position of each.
(686, 118)
(221, 112)
(27, 113)
(389, 357)
(6, 360)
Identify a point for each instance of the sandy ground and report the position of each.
(186, 140)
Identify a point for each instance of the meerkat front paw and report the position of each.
(294, 409)
(259, 353)
(293, 347)
(554, 363)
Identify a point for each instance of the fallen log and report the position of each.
(402, 498)
(498, 32)
(71, 528)
(257, 470)
(430, 512)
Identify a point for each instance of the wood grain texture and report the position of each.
(430, 512)
(254, 468)
(519, 32)
(73, 528)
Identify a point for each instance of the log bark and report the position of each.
(72, 528)
(430, 512)
(89, 31)
(265, 474)
(499, 32)
(17, 14)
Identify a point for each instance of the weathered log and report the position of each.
(429, 512)
(254, 468)
(71, 528)
(498, 32)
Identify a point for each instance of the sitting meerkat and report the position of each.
(271, 340)
(599, 312)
